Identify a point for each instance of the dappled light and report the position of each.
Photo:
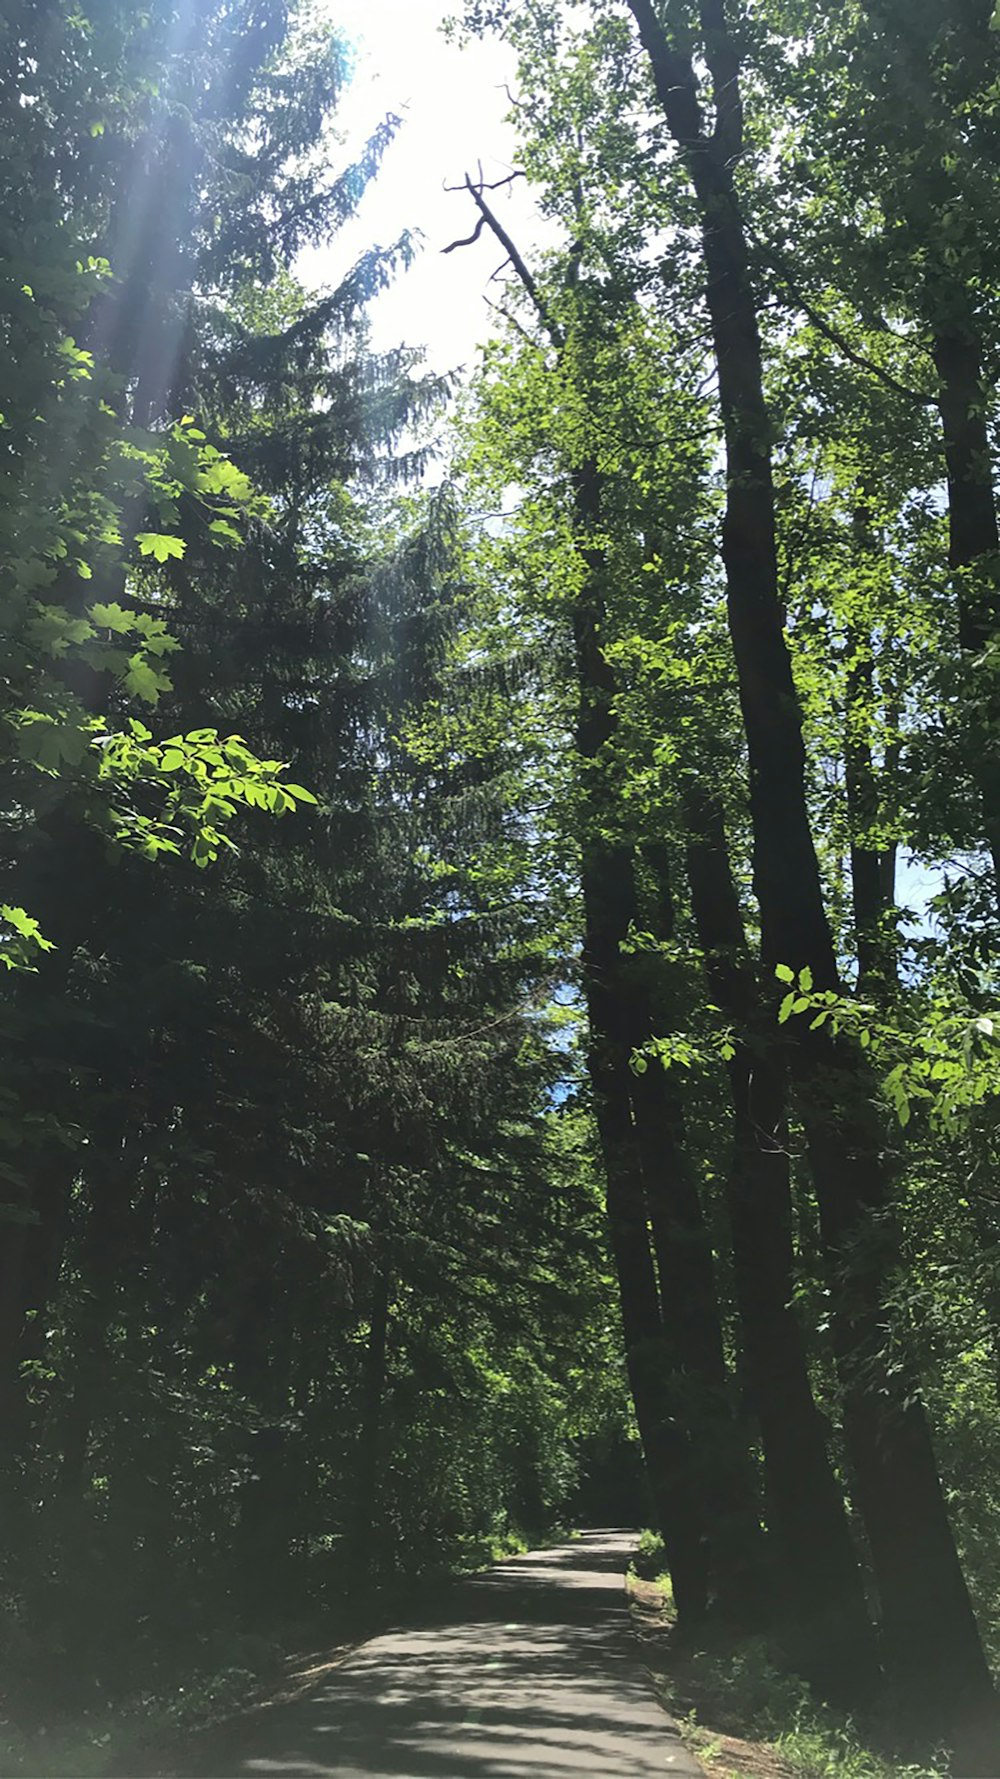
(532, 1672)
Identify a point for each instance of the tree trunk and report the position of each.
(13, 1249)
(47, 1238)
(872, 866)
(821, 1580)
(648, 1357)
(973, 539)
(695, 1388)
(368, 1469)
(609, 898)
(262, 1372)
(690, 1308)
(103, 1267)
(934, 1652)
(38, 1285)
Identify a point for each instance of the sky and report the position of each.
(454, 106)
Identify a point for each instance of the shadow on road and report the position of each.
(532, 1672)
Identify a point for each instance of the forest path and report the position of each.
(532, 1674)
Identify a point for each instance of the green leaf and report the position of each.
(143, 681)
(112, 616)
(784, 973)
(51, 744)
(159, 545)
(222, 477)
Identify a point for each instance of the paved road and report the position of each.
(533, 1676)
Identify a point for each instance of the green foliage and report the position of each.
(303, 1189)
(649, 1561)
(21, 939)
(202, 781)
(946, 1061)
(259, 1112)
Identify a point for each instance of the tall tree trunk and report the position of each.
(931, 1640)
(609, 898)
(47, 1238)
(649, 1359)
(872, 866)
(262, 1370)
(690, 1307)
(104, 1252)
(964, 402)
(698, 1393)
(821, 1579)
(973, 538)
(13, 1250)
(368, 1468)
(39, 1281)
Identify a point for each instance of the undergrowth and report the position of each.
(744, 1715)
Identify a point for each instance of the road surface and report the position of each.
(533, 1675)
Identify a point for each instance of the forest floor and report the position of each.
(711, 1721)
(528, 1668)
(743, 1717)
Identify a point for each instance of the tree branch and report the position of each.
(466, 240)
(488, 217)
(836, 338)
(498, 184)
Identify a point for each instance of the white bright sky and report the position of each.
(453, 105)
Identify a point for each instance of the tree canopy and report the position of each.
(500, 884)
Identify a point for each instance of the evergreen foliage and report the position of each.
(600, 1053)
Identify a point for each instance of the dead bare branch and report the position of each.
(466, 240)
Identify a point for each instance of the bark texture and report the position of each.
(973, 538)
(673, 1336)
(609, 897)
(818, 1566)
